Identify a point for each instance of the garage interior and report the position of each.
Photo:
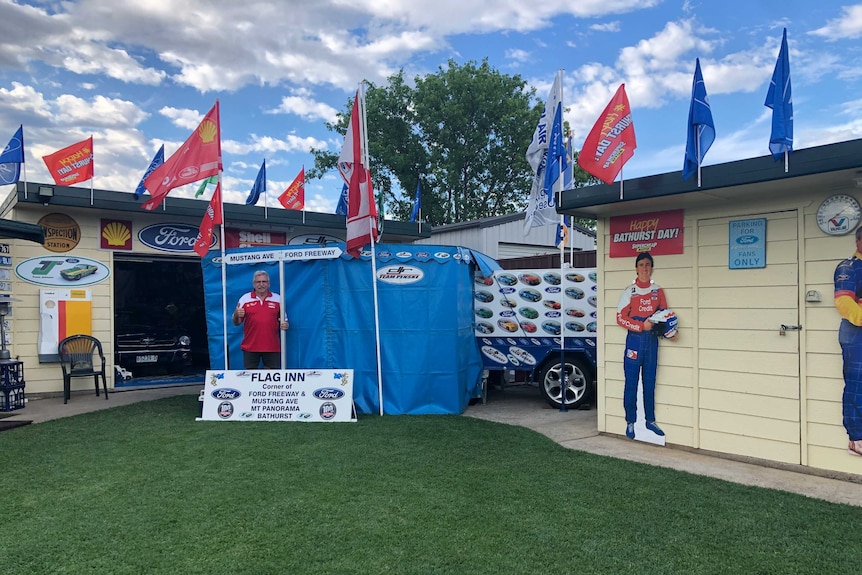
(161, 295)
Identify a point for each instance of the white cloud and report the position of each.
(306, 108)
(606, 27)
(848, 25)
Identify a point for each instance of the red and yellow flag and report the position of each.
(73, 164)
(199, 157)
(611, 142)
(293, 198)
(212, 217)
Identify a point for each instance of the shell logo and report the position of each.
(207, 131)
(116, 234)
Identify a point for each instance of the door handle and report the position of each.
(785, 328)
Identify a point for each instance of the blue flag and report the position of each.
(258, 187)
(341, 208)
(779, 99)
(556, 150)
(14, 151)
(568, 175)
(157, 161)
(12, 157)
(417, 203)
(701, 130)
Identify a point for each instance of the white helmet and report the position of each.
(664, 323)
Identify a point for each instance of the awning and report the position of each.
(20, 230)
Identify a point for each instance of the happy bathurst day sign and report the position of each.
(659, 233)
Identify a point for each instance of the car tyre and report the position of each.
(578, 382)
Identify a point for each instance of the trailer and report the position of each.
(540, 323)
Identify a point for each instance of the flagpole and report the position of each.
(621, 183)
(697, 152)
(93, 162)
(366, 165)
(563, 382)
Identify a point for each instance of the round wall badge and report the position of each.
(839, 214)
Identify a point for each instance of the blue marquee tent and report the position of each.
(430, 363)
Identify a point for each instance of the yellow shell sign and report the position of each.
(116, 235)
(62, 233)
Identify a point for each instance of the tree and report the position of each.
(463, 131)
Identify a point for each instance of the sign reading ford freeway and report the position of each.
(278, 395)
(287, 255)
(174, 238)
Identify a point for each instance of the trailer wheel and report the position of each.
(578, 377)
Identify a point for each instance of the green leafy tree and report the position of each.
(463, 131)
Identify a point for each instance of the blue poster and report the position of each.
(747, 244)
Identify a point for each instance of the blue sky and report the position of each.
(138, 74)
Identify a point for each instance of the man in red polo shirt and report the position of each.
(261, 315)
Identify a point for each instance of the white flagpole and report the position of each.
(697, 151)
(563, 382)
(621, 183)
(283, 317)
(371, 223)
(93, 161)
(223, 273)
(24, 167)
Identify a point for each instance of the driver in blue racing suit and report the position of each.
(638, 302)
(848, 302)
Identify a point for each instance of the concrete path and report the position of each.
(576, 429)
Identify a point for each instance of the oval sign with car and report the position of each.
(62, 271)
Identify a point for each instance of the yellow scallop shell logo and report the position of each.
(116, 234)
(207, 131)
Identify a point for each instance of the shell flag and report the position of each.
(612, 141)
(199, 157)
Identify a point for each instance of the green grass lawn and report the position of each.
(145, 488)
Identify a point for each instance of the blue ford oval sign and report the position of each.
(175, 238)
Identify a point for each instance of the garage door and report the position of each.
(749, 384)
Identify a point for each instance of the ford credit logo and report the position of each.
(746, 240)
(226, 393)
(328, 393)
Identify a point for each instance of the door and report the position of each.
(748, 366)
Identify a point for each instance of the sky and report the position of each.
(136, 74)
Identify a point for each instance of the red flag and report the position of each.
(73, 164)
(361, 209)
(212, 217)
(198, 158)
(611, 142)
(293, 198)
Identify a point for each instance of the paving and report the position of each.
(523, 406)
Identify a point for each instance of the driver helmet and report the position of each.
(664, 323)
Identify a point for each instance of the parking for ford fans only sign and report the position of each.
(278, 395)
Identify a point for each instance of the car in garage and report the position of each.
(146, 348)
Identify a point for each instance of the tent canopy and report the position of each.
(20, 230)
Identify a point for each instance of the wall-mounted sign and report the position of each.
(747, 244)
(62, 312)
(62, 233)
(659, 233)
(115, 235)
(400, 275)
(62, 271)
(175, 238)
(236, 238)
(312, 239)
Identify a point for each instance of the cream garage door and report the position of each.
(749, 384)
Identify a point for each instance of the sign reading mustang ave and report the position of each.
(278, 395)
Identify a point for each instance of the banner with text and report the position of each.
(278, 395)
(660, 233)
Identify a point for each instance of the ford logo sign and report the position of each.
(226, 393)
(328, 393)
(746, 240)
(177, 238)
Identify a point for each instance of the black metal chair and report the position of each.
(77, 354)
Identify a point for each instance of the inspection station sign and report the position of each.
(278, 395)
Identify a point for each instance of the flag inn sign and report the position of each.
(747, 244)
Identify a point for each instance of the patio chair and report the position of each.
(77, 360)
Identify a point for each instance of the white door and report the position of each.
(748, 372)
